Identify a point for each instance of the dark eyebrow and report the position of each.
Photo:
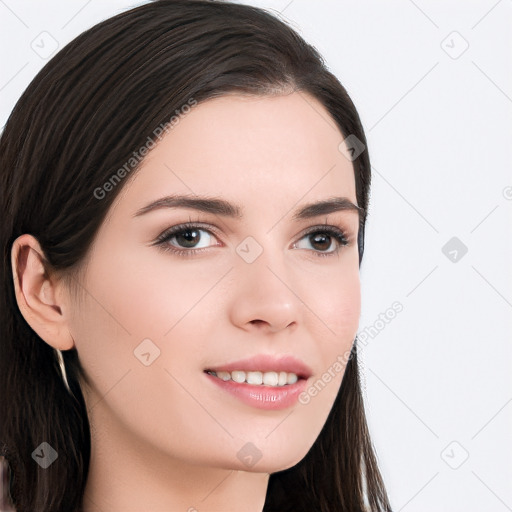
(204, 204)
(331, 205)
(227, 209)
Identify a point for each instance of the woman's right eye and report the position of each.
(185, 239)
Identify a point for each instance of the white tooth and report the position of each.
(292, 378)
(283, 379)
(258, 378)
(238, 376)
(254, 378)
(270, 378)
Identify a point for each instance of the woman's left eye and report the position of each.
(187, 239)
(321, 238)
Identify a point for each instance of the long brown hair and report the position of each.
(75, 126)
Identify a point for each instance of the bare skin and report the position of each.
(164, 438)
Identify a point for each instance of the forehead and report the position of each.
(264, 150)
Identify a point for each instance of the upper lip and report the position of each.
(266, 363)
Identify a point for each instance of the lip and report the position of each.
(267, 363)
(261, 396)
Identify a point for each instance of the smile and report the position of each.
(257, 378)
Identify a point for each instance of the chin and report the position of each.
(274, 463)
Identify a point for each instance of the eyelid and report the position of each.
(329, 227)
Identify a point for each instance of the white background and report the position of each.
(438, 121)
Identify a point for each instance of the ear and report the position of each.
(39, 293)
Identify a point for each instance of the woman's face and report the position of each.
(255, 291)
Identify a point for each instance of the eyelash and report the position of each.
(163, 239)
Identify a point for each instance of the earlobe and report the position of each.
(37, 293)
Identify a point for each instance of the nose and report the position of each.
(264, 297)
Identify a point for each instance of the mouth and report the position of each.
(264, 382)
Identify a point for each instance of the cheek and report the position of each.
(335, 301)
(148, 292)
(129, 301)
(342, 308)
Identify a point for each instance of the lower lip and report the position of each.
(263, 397)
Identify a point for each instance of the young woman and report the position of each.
(184, 190)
